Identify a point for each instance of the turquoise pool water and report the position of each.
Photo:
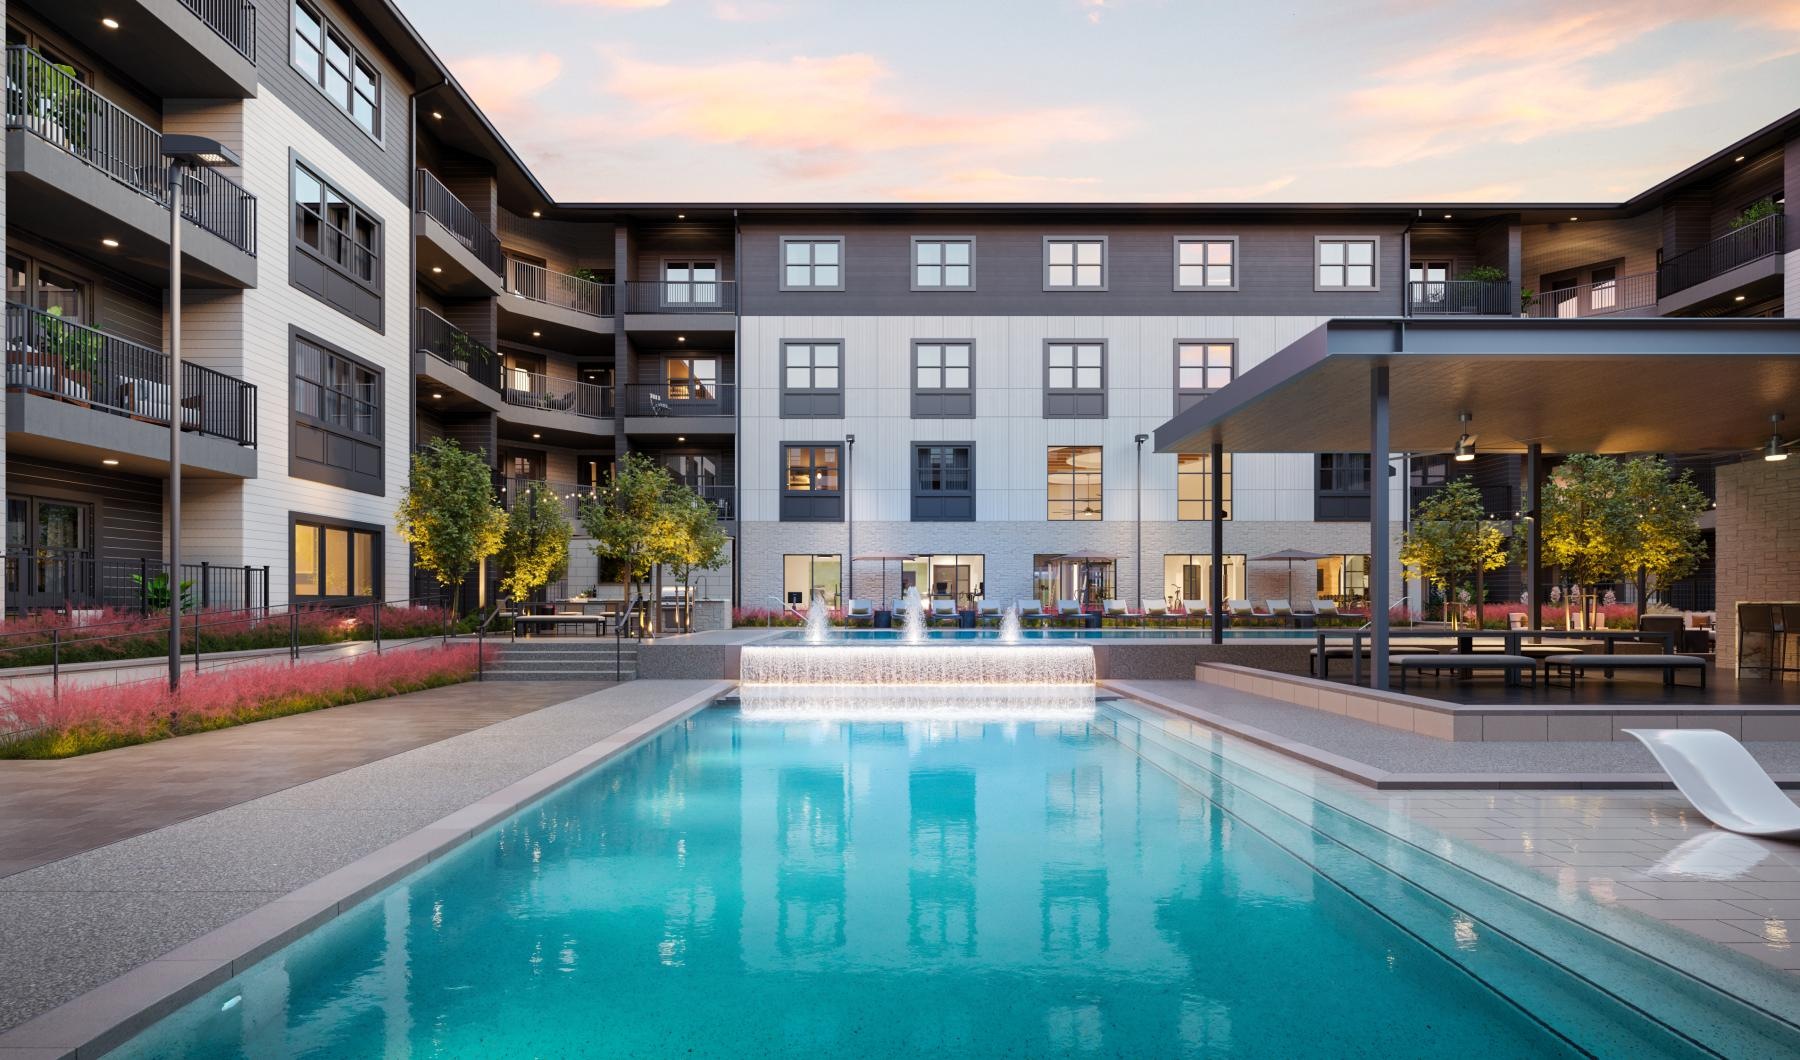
(878, 636)
(1115, 885)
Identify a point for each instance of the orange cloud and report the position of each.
(504, 84)
(997, 185)
(625, 5)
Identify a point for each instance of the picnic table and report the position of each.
(528, 623)
(1512, 640)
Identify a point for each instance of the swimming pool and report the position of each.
(1111, 882)
(865, 636)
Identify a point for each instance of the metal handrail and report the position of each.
(539, 284)
(682, 398)
(1637, 291)
(232, 20)
(75, 580)
(441, 204)
(457, 348)
(681, 296)
(481, 641)
(1754, 241)
(46, 354)
(47, 100)
(1460, 297)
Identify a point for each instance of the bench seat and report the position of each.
(1668, 664)
(1483, 661)
(529, 622)
(1344, 651)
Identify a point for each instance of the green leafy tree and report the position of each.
(700, 542)
(630, 520)
(535, 545)
(1589, 521)
(448, 514)
(1666, 545)
(1450, 538)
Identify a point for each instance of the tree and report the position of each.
(700, 542)
(448, 514)
(629, 518)
(1666, 545)
(1589, 521)
(1450, 536)
(535, 546)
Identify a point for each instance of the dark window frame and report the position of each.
(322, 523)
(1075, 262)
(329, 30)
(812, 265)
(947, 500)
(1338, 502)
(913, 265)
(942, 402)
(1236, 260)
(316, 471)
(812, 505)
(1075, 402)
(1206, 369)
(1318, 262)
(691, 263)
(812, 402)
(1075, 515)
(375, 285)
(1205, 500)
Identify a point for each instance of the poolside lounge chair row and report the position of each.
(940, 609)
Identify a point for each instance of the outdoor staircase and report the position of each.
(564, 659)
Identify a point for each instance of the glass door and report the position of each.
(1428, 280)
(692, 379)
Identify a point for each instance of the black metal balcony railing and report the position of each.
(48, 355)
(234, 20)
(1596, 299)
(46, 100)
(511, 489)
(535, 390)
(681, 398)
(1460, 297)
(442, 205)
(458, 348)
(721, 495)
(1758, 239)
(683, 296)
(65, 579)
(558, 288)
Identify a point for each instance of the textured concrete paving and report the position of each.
(69, 926)
(52, 809)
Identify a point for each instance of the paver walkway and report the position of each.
(52, 809)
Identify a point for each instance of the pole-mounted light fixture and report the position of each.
(1776, 449)
(1465, 446)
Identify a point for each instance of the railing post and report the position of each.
(197, 613)
(377, 624)
(205, 583)
(293, 634)
(55, 663)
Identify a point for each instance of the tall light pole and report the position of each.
(184, 155)
(846, 570)
(1139, 567)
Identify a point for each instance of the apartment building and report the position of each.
(960, 388)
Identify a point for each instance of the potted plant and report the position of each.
(1756, 211)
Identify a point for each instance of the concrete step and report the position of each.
(496, 674)
(564, 664)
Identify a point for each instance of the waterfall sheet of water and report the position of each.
(962, 665)
(1055, 704)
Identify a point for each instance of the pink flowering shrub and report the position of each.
(98, 717)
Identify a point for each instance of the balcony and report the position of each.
(456, 251)
(65, 579)
(82, 168)
(510, 488)
(552, 410)
(658, 305)
(1751, 255)
(1460, 298)
(1625, 296)
(177, 49)
(84, 395)
(554, 308)
(457, 349)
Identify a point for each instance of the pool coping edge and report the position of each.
(105, 1017)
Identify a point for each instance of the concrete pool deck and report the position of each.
(95, 946)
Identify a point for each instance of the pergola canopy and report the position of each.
(1592, 385)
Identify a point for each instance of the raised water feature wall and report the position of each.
(926, 664)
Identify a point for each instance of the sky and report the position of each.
(1117, 100)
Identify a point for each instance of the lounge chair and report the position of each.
(1154, 609)
(1193, 609)
(1326, 609)
(1242, 609)
(1033, 611)
(859, 609)
(1117, 609)
(1068, 609)
(1723, 782)
(1281, 608)
(942, 609)
(985, 609)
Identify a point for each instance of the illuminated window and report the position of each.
(1193, 486)
(1073, 483)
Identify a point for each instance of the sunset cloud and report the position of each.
(996, 185)
(506, 83)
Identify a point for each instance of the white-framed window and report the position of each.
(1346, 263)
(1074, 263)
(943, 263)
(1206, 263)
(812, 263)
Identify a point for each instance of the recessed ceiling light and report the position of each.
(681, 217)
(438, 114)
(537, 435)
(1574, 218)
(1739, 158)
(1448, 216)
(110, 23)
(537, 213)
(437, 395)
(437, 268)
(1739, 298)
(537, 334)
(681, 437)
(109, 242)
(110, 462)
(681, 338)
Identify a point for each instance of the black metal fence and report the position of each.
(46, 99)
(681, 296)
(234, 20)
(453, 345)
(59, 580)
(46, 354)
(441, 204)
(1637, 291)
(1460, 298)
(559, 288)
(680, 398)
(1758, 239)
(535, 390)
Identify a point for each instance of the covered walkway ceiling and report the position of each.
(1611, 386)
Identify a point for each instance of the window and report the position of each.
(943, 488)
(1347, 263)
(45, 287)
(1188, 576)
(943, 263)
(1604, 294)
(691, 378)
(1344, 579)
(812, 379)
(806, 576)
(1193, 486)
(690, 283)
(1072, 480)
(1075, 379)
(335, 559)
(336, 247)
(810, 489)
(1074, 263)
(812, 264)
(327, 58)
(961, 578)
(336, 431)
(943, 380)
(1342, 493)
(1206, 263)
(1200, 368)
(1426, 283)
(523, 372)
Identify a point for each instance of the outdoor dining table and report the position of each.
(1510, 638)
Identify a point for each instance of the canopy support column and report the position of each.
(1379, 499)
(1534, 538)
(1217, 471)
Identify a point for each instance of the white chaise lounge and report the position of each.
(1722, 781)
